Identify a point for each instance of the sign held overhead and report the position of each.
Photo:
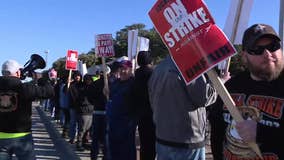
(71, 60)
(196, 44)
(104, 45)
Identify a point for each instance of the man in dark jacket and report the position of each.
(73, 93)
(84, 109)
(140, 106)
(15, 111)
(121, 127)
(99, 120)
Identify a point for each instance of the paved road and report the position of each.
(49, 145)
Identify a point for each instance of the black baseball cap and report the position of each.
(256, 31)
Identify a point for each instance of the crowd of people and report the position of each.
(171, 116)
(108, 119)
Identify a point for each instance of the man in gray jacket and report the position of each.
(179, 112)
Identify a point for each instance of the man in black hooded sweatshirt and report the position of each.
(141, 109)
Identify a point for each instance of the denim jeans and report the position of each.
(73, 124)
(172, 153)
(22, 147)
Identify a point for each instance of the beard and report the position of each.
(264, 72)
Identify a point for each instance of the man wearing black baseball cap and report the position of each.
(262, 52)
(259, 95)
(256, 31)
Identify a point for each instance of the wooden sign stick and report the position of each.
(106, 87)
(230, 104)
(69, 78)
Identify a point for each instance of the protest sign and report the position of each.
(132, 43)
(143, 44)
(82, 68)
(71, 60)
(196, 44)
(104, 45)
(236, 23)
(71, 63)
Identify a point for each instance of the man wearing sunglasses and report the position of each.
(259, 96)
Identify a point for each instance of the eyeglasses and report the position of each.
(258, 50)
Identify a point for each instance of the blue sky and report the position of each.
(34, 26)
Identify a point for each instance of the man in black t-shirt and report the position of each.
(259, 96)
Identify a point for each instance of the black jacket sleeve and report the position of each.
(32, 91)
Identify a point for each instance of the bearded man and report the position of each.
(259, 95)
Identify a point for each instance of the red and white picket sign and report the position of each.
(71, 60)
(104, 45)
(196, 44)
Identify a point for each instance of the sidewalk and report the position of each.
(48, 141)
(49, 145)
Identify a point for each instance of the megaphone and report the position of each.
(35, 62)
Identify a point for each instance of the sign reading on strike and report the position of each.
(104, 45)
(196, 44)
(71, 60)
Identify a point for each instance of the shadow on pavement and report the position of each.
(47, 140)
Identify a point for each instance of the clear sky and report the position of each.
(35, 26)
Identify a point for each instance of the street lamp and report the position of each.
(46, 54)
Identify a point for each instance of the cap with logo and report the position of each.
(256, 31)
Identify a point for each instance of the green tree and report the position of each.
(121, 42)
(236, 65)
(157, 47)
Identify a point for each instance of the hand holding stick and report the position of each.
(228, 101)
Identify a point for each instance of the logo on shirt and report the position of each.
(266, 110)
(8, 101)
(271, 107)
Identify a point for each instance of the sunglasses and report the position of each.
(258, 50)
